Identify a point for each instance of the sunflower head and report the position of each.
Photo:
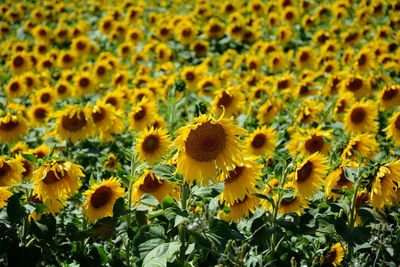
(333, 256)
(100, 199)
(262, 141)
(361, 118)
(206, 146)
(12, 127)
(152, 145)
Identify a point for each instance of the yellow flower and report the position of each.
(74, 123)
(385, 185)
(364, 144)
(334, 256)
(262, 141)
(228, 102)
(337, 180)
(56, 181)
(4, 195)
(309, 141)
(149, 183)
(308, 176)
(389, 97)
(393, 128)
(152, 144)
(206, 146)
(240, 181)
(12, 127)
(142, 114)
(100, 199)
(106, 121)
(10, 171)
(361, 118)
(241, 209)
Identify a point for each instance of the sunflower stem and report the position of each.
(128, 217)
(182, 229)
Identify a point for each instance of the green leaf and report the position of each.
(149, 200)
(119, 208)
(162, 254)
(15, 211)
(30, 158)
(103, 229)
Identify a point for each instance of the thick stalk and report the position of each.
(182, 229)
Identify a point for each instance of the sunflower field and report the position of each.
(200, 133)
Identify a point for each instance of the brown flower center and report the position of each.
(206, 142)
(389, 94)
(362, 60)
(304, 57)
(101, 71)
(314, 144)
(397, 123)
(18, 61)
(4, 169)
(53, 177)
(225, 100)
(259, 140)
(8, 126)
(14, 87)
(355, 84)
(101, 196)
(358, 115)
(84, 82)
(288, 201)
(304, 173)
(150, 144)
(75, 122)
(234, 174)
(283, 84)
(342, 179)
(140, 114)
(40, 113)
(45, 98)
(112, 101)
(99, 114)
(150, 184)
(61, 89)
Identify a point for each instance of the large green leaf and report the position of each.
(161, 254)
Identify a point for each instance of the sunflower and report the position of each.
(142, 114)
(206, 146)
(111, 162)
(106, 121)
(185, 32)
(343, 103)
(291, 202)
(336, 181)
(309, 141)
(26, 164)
(15, 87)
(267, 111)
(363, 144)
(334, 256)
(308, 176)
(81, 45)
(100, 199)
(393, 128)
(240, 181)
(84, 83)
(262, 141)
(357, 85)
(12, 127)
(115, 98)
(39, 113)
(305, 58)
(63, 89)
(53, 206)
(19, 147)
(385, 185)
(149, 183)
(4, 195)
(56, 180)
(74, 123)
(214, 28)
(10, 171)
(241, 208)
(389, 97)
(364, 61)
(152, 145)
(361, 118)
(20, 62)
(228, 102)
(67, 59)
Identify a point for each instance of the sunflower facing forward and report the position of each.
(206, 146)
(262, 141)
(308, 176)
(100, 199)
(152, 145)
(360, 118)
